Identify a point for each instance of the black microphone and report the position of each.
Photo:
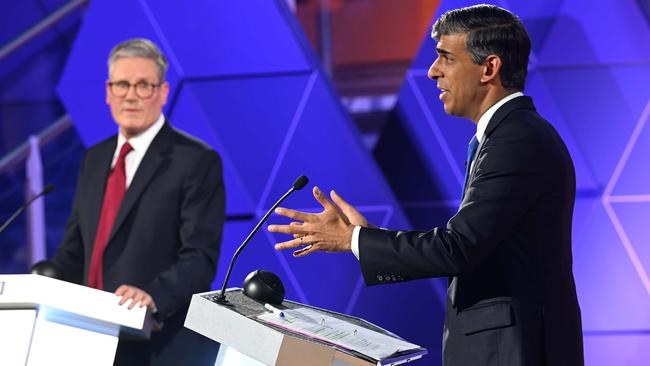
(297, 185)
(48, 188)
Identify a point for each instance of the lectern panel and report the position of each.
(15, 335)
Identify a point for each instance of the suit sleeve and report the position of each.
(69, 257)
(504, 187)
(202, 214)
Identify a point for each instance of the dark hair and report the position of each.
(490, 30)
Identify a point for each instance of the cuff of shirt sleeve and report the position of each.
(355, 241)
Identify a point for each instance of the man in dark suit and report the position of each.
(148, 212)
(507, 251)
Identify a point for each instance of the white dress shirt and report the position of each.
(140, 144)
(480, 132)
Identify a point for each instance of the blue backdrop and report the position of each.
(245, 80)
(588, 75)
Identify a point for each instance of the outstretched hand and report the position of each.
(327, 231)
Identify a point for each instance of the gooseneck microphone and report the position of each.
(48, 188)
(298, 184)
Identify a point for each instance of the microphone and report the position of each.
(48, 188)
(298, 184)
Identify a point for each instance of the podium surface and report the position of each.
(237, 325)
(51, 322)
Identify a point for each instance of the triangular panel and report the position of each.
(611, 294)
(242, 37)
(605, 31)
(252, 117)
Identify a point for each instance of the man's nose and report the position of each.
(433, 73)
(131, 94)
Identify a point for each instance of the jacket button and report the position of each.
(380, 278)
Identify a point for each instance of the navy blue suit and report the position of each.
(507, 251)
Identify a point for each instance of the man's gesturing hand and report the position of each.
(327, 231)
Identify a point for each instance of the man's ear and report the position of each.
(491, 68)
(164, 92)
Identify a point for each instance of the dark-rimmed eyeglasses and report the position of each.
(143, 89)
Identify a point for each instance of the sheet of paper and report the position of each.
(339, 332)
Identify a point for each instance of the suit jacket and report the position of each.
(507, 250)
(165, 239)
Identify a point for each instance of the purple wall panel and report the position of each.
(596, 32)
(617, 349)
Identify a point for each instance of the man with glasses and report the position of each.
(148, 212)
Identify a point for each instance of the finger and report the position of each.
(306, 250)
(128, 294)
(286, 229)
(296, 224)
(152, 305)
(339, 200)
(293, 214)
(123, 296)
(144, 299)
(147, 301)
(322, 199)
(342, 207)
(296, 243)
(121, 290)
(302, 251)
(306, 242)
(289, 244)
(134, 300)
(138, 298)
(353, 215)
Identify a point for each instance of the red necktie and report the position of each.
(115, 189)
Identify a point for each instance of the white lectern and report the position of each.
(236, 326)
(44, 321)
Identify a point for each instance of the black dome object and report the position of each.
(47, 269)
(264, 286)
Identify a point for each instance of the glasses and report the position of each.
(143, 89)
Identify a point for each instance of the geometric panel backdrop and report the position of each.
(28, 103)
(588, 75)
(245, 80)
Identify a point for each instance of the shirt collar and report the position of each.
(142, 141)
(487, 116)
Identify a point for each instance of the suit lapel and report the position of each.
(501, 114)
(523, 102)
(156, 154)
(99, 166)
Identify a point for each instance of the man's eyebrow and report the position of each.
(442, 51)
(139, 80)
